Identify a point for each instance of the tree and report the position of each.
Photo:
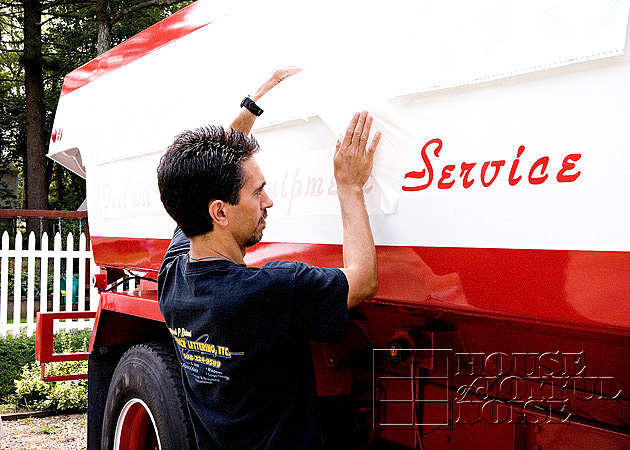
(36, 166)
(41, 42)
(106, 20)
(12, 111)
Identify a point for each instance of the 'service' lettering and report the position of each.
(467, 173)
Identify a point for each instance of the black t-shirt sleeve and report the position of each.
(179, 244)
(320, 303)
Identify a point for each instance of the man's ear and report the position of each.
(216, 208)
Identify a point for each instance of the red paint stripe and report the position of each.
(140, 305)
(129, 253)
(174, 27)
(41, 213)
(568, 288)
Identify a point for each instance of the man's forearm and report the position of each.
(359, 253)
(245, 119)
(353, 164)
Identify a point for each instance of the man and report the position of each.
(242, 332)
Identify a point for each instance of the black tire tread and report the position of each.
(167, 356)
(164, 355)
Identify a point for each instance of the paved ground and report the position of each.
(66, 432)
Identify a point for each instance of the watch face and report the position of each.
(251, 106)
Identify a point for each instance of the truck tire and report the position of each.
(146, 406)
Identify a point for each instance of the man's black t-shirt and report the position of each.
(242, 336)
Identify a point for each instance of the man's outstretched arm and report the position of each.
(244, 121)
(353, 164)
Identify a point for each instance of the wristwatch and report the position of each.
(251, 106)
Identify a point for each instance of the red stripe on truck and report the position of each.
(569, 288)
(174, 27)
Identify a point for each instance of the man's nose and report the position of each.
(267, 202)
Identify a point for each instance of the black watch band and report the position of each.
(251, 106)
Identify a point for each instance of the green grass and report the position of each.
(10, 408)
(10, 320)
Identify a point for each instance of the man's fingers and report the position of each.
(293, 70)
(358, 134)
(285, 72)
(365, 133)
(358, 129)
(353, 163)
(347, 139)
(375, 140)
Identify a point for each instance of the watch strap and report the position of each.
(251, 106)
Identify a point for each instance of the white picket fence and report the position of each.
(38, 262)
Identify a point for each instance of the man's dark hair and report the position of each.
(200, 166)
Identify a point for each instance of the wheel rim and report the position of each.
(135, 429)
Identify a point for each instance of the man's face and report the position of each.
(251, 210)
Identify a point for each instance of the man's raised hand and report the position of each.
(353, 163)
(274, 79)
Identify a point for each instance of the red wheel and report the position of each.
(146, 407)
(135, 428)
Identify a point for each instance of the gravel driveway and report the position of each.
(66, 432)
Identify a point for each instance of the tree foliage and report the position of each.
(30, 391)
(12, 114)
(66, 36)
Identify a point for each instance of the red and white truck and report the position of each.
(499, 206)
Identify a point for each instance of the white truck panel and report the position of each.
(485, 78)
